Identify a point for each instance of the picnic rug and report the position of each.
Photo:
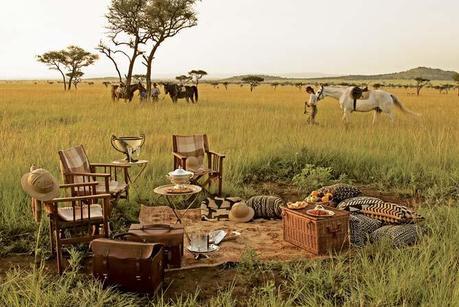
(264, 237)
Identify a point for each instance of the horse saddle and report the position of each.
(359, 93)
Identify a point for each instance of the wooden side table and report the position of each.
(177, 200)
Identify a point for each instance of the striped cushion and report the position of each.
(266, 206)
(392, 213)
(340, 191)
(358, 203)
(361, 227)
(397, 235)
(218, 208)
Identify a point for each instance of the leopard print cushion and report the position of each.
(266, 206)
(341, 191)
(397, 235)
(392, 213)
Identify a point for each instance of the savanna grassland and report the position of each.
(265, 137)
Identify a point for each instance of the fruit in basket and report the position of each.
(325, 199)
(314, 193)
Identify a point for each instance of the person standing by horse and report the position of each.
(155, 92)
(312, 103)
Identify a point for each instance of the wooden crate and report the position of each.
(317, 235)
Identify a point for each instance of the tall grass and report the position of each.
(253, 129)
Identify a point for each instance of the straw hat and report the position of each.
(240, 212)
(40, 184)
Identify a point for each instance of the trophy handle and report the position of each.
(113, 145)
(143, 139)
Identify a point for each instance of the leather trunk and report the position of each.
(170, 236)
(132, 266)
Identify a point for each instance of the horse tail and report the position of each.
(195, 90)
(400, 105)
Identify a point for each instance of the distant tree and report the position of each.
(183, 79)
(456, 79)
(299, 85)
(55, 60)
(165, 19)
(253, 81)
(377, 86)
(139, 77)
(420, 83)
(214, 84)
(106, 83)
(275, 85)
(77, 58)
(225, 84)
(69, 62)
(197, 75)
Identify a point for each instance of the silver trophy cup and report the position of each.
(129, 145)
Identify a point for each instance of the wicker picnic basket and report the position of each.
(317, 235)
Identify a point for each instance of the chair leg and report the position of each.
(52, 238)
(220, 185)
(59, 254)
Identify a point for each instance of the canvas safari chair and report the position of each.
(190, 153)
(77, 219)
(76, 168)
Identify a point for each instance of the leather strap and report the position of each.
(120, 236)
(154, 227)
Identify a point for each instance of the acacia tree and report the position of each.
(76, 59)
(164, 19)
(225, 84)
(126, 21)
(55, 60)
(275, 85)
(420, 83)
(456, 79)
(253, 81)
(197, 75)
(69, 62)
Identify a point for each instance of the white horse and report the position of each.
(375, 100)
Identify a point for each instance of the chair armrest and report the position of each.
(120, 165)
(79, 185)
(216, 154)
(89, 174)
(75, 198)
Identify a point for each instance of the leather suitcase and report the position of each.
(133, 266)
(170, 236)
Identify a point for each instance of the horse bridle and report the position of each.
(320, 94)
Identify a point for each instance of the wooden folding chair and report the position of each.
(190, 153)
(76, 168)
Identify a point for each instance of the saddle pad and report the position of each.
(218, 208)
(392, 213)
(361, 227)
(358, 203)
(397, 235)
(340, 191)
(267, 207)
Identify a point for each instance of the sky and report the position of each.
(290, 37)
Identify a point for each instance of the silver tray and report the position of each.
(212, 248)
